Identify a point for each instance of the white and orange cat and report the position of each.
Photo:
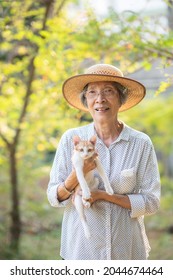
(84, 150)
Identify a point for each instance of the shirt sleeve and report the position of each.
(59, 173)
(147, 200)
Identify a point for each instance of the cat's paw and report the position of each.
(109, 190)
(86, 204)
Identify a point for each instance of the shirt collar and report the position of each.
(124, 135)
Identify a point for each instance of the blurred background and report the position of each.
(44, 42)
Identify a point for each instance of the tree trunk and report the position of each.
(170, 15)
(15, 229)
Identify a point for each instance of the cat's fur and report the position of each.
(83, 150)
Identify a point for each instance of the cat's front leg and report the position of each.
(86, 194)
(104, 177)
(78, 164)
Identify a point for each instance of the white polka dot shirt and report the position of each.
(117, 233)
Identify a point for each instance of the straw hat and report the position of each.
(73, 86)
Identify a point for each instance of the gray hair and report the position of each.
(121, 90)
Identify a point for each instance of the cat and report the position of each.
(84, 150)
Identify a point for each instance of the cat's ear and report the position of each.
(93, 139)
(76, 140)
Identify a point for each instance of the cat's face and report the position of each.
(86, 149)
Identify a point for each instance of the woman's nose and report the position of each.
(100, 97)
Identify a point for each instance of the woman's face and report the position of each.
(103, 101)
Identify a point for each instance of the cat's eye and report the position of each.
(81, 150)
(90, 150)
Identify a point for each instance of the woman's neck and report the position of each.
(108, 133)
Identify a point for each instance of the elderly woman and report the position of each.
(116, 221)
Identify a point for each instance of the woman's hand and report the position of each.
(89, 164)
(96, 195)
(119, 199)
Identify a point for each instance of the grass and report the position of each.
(161, 244)
(43, 246)
(160, 239)
(43, 243)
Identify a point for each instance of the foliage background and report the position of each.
(42, 43)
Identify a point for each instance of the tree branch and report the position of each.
(5, 140)
(48, 4)
(161, 52)
(26, 99)
(63, 2)
(48, 9)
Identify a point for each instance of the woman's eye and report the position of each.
(108, 90)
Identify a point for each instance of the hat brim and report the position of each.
(73, 86)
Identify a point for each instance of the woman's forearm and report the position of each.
(69, 185)
(119, 199)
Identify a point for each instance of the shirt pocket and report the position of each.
(127, 181)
